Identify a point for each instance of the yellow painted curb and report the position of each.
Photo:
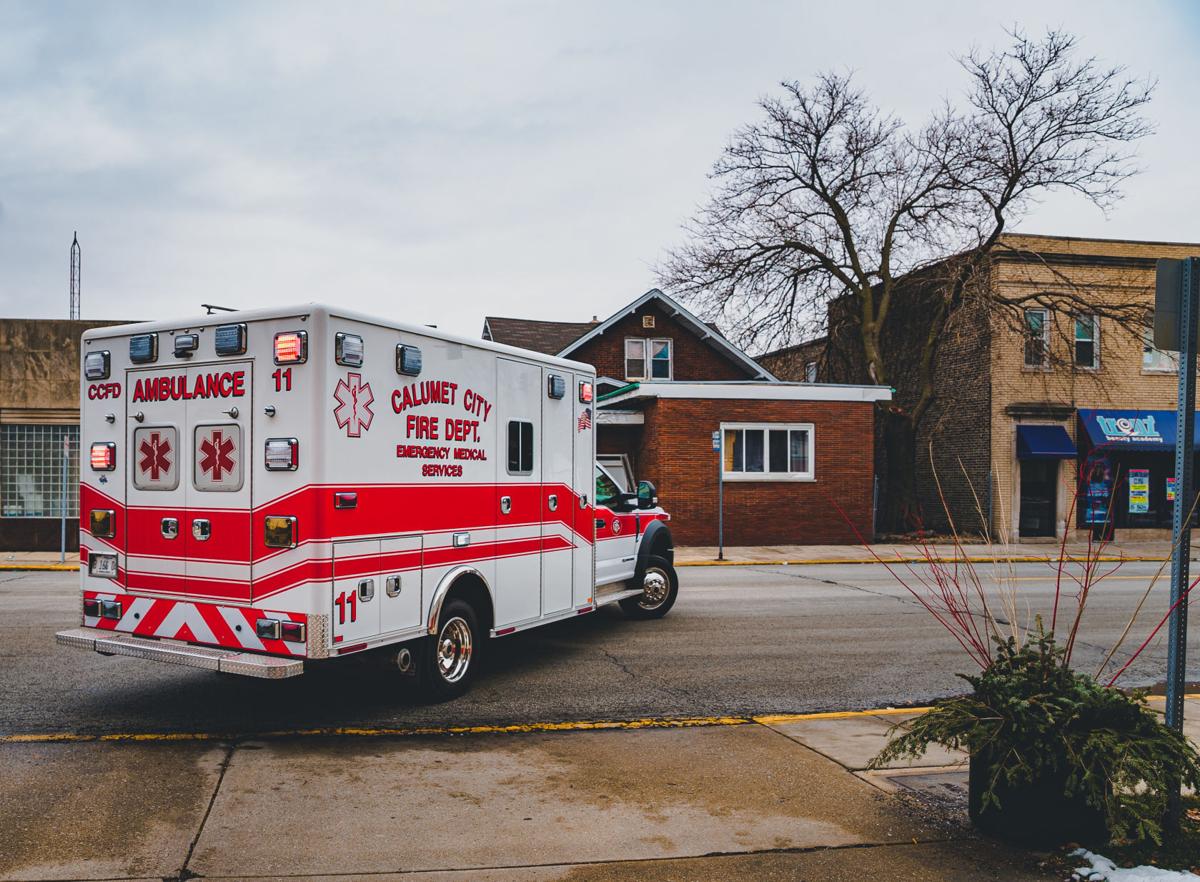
(35, 567)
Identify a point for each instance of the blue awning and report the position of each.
(1116, 430)
(1044, 442)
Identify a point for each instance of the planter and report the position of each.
(1037, 813)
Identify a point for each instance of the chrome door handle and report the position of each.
(552, 502)
(201, 529)
(232, 413)
(366, 590)
(505, 504)
(169, 528)
(392, 586)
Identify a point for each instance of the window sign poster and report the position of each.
(1139, 491)
(1099, 486)
(1171, 489)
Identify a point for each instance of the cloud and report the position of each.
(439, 162)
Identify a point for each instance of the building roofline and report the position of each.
(750, 389)
(705, 333)
(1099, 239)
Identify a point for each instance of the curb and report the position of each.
(36, 567)
(818, 561)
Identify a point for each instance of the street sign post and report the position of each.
(1177, 300)
(716, 442)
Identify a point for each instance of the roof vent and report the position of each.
(647, 321)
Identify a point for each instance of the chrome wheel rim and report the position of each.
(454, 650)
(656, 588)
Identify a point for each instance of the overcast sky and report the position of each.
(439, 162)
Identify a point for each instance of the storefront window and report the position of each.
(768, 452)
(31, 464)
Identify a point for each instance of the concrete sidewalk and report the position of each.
(773, 797)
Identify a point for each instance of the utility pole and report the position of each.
(75, 267)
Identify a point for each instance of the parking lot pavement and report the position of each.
(731, 801)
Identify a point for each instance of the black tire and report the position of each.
(444, 670)
(651, 603)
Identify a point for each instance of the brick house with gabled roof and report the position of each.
(668, 381)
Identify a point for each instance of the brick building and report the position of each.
(793, 453)
(39, 416)
(1052, 420)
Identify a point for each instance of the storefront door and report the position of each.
(1039, 497)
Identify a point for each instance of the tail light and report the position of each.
(283, 454)
(110, 609)
(96, 365)
(293, 632)
(102, 523)
(291, 347)
(104, 456)
(279, 531)
(268, 629)
(91, 607)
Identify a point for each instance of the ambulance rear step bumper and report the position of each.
(227, 661)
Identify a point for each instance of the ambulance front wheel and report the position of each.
(447, 660)
(660, 587)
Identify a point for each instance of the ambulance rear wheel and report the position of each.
(449, 658)
(660, 587)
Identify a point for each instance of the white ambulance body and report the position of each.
(263, 488)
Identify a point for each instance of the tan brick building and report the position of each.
(39, 414)
(1051, 418)
(793, 453)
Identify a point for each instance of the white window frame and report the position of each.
(1095, 319)
(810, 372)
(766, 475)
(1044, 365)
(647, 344)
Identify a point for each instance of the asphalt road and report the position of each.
(741, 640)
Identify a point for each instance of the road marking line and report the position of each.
(39, 567)
(511, 729)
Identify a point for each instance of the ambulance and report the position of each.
(264, 489)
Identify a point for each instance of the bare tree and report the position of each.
(828, 200)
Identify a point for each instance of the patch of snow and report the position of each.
(1104, 870)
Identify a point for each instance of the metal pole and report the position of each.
(62, 501)
(1181, 521)
(721, 497)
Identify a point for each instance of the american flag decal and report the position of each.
(585, 419)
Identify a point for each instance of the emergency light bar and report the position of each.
(230, 339)
(279, 531)
(96, 365)
(556, 386)
(291, 347)
(104, 456)
(348, 349)
(585, 392)
(282, 454)
(408, 360)
(143, 348)
(186, 344)
(102, 523)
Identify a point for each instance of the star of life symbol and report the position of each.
(155, 456)
(216, 458)
(354, 398)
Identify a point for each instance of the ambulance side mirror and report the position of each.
(647, 496)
